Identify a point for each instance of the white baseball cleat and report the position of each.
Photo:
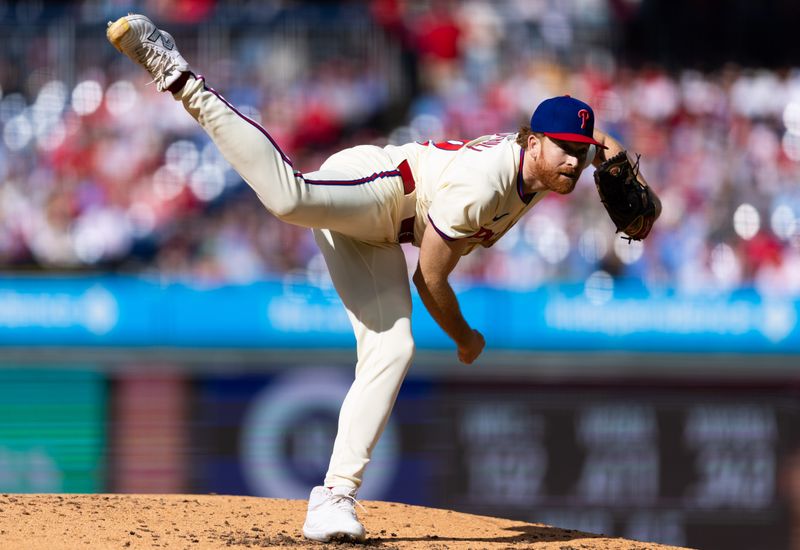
(332, 515)
(138, 38)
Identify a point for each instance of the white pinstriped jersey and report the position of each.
(468, 190)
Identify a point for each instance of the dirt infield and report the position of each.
(195, 522)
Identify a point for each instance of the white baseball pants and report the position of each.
(354, 203)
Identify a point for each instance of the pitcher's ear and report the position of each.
(535, 143)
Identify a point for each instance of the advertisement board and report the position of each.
(124, 311)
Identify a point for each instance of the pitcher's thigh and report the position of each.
(372, 281)
(361, 205)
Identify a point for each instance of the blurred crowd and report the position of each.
(100, 172)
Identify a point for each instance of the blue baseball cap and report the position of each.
(565, 118)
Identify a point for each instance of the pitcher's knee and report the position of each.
(281, 193)
(402, 352)
(285, 207)
(389, 360)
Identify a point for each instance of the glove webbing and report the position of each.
(635, 170)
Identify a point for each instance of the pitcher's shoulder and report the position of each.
(493, 159)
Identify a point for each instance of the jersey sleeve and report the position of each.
(461, 207)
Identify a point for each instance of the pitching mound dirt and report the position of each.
(52, 522)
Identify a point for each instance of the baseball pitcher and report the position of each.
(447, 198)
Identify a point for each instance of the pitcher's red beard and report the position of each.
(557, 179)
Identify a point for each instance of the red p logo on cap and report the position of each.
(584, 115)
(565, 118)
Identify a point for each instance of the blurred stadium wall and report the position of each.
(160, 333)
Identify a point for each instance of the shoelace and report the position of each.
(346, 502)
(162, 63)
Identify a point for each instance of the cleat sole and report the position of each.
(335, 537)
(116, 31)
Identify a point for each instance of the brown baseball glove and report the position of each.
(629, 203)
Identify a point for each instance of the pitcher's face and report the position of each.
(559, 164)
